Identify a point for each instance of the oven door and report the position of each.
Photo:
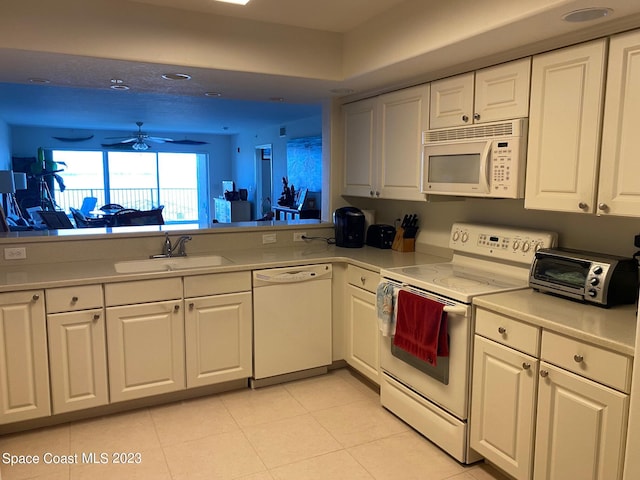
(447, 384)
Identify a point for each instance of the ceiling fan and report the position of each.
(138, 140)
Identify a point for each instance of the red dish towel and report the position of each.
(421, 327)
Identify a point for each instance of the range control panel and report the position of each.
(500, 242)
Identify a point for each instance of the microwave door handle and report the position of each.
(484, 167)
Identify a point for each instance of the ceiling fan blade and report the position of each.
(186, 142)
(122, 139)
(158, 139)
(124, 144)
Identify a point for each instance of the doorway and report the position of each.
(264, 180)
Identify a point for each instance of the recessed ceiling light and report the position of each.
(119, 87)
(39, 80)
(236, 2)
(212, 94)
(276, 99)
(587, 14)
(176, 76)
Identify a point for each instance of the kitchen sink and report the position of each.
(167, 264)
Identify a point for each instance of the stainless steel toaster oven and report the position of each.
(596, 278)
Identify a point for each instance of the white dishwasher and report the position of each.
(291, 323)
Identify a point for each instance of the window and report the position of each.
(140, 180)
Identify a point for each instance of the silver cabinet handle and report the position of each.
(377, 193)
(502, 330)
(603, 206)
(544, 373)
(526, 365)
(476, 116)
(363, 280)
(192, 306)
(74, 299)
(96, 316)
(371, 193)
(578, 358)
(583, 206)
(36, 297)
(465, 118)
(176, 308)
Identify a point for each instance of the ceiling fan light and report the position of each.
(140, 146)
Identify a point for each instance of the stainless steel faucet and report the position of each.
(170, 250)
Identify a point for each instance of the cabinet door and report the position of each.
(78, 360)
(146, 349)
(218, 338)
(619, 186)
(24, 377)
(567, 88)
(581, 428)
(362, 333)
(403, 117)
(359, 147)
(502, 92)
(503, 406)
(451, 101)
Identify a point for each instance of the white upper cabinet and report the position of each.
(567, 93)
(619, 184)
(488, 95)
(383, 144)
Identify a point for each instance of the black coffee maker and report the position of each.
(349, 224)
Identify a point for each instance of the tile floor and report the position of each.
(326, 427)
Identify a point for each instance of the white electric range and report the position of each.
(435, 399)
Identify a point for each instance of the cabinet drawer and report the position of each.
(216, 283)
(69, 299)
(363, 278)
(507, 331)
(126, 293)
(603, 366)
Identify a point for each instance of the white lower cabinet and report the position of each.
(362, 333)
(146, 349)
(77, 347)
(145, 341)
(503, 406)
(218, 328)
(556, 385)
(580, 428)
(24, 373)
(218, 338)
(77, 360)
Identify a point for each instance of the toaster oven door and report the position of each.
(561, 274)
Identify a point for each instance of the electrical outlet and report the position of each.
(268, 238)
(299, 236)
(16, 253)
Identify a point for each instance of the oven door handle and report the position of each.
(455, 310)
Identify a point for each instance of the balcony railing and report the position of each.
(180, 204)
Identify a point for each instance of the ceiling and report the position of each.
(79, 96)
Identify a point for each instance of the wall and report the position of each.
(26, 140)
(610, 234)
(243, 156)
(5, 146)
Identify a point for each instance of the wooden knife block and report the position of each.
(401, 244)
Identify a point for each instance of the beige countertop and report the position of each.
(21, 277)
(613, 328)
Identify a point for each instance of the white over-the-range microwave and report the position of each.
(482, 160)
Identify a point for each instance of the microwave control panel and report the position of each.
(504, 176)
(505, 243)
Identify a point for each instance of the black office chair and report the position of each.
(55, 220)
